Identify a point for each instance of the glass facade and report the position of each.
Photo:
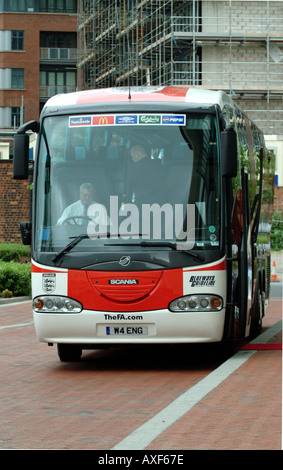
(54, 6)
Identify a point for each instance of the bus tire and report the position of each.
(256, 321)
(243, 290)
(69, 352)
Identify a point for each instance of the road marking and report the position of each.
(268, 334)
(16, 325)
(145, 434)
(141, 437)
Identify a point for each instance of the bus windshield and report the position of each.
(121, 180)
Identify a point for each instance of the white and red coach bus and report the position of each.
(151, 218)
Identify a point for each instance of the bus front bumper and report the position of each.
(157, 326)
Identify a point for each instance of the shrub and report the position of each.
(276, 235)
(15, 277)
(14, 252)
(6, 294)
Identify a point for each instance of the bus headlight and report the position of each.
(56, 304)
(196, 303)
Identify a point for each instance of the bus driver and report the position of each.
(85, 209)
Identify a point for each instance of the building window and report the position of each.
(53, 82)
(58, 39)
(17, 40)
(58, 6)
(17, 78)
(55, 6)
(20, 5)
(16, 116)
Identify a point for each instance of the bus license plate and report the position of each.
(127, 330)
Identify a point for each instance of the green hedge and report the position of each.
(15, 278)
(15, 270)
(277, 231)
(14, 252)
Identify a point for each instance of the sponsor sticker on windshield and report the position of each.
(78, 121)
(171, 119)
(106, 120)
(128, 120)
(150, 119)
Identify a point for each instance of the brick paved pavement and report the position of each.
(96, 403)
(244, 412)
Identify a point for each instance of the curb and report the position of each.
(14, 300)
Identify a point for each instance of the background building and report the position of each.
(235, 46)
(55, 46)
(38, 55)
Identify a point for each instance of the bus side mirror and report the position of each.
(21, 150)
(228, 149)
(25, 228)
(20, 157)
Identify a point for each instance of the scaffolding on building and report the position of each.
(181, 42)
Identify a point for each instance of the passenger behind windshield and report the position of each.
(97, 150)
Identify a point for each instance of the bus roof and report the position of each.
(165, 94)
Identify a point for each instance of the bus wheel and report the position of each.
(243, 291)
(256, 322)
(69, 352)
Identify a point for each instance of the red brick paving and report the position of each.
(244, 412)
(94, 404)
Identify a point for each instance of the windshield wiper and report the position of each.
(143, 243)
(77, 240)
(160, 244)
(70, 246)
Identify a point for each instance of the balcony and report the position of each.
(62, 55)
